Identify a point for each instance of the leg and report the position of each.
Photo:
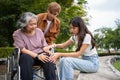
(49, 71)
(67, 66)
(66, 70)
(34, 76)
(26, 66)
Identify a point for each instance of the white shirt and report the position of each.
(87, 40)
(47, 27)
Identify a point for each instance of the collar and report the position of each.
(45, 18)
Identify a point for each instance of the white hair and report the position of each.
(25, 18)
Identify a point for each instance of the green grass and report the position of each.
(117, 65)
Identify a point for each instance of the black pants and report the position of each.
(26, 66)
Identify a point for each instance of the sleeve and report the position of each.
(53, 38)
(72, 38)
(44, 42)
(87, 39)
(18, 42)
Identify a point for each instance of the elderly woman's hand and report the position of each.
(43, 57)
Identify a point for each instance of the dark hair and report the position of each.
(83, 30)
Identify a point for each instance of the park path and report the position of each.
(105, 71)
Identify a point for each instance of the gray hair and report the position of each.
(25, 18)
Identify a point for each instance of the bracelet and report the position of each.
(36, 57)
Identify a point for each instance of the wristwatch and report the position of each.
(36, 57)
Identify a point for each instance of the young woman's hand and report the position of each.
(47, 48)
(54, 58)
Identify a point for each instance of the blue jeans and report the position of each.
(34, 76)
(86, 64)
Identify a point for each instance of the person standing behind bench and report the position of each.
(31, 42)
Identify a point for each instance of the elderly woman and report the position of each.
(31, 41)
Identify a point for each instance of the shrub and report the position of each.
(108, 54)
(5, 51)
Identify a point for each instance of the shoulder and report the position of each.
(41, 15)
(38, 30)
(57, 20)
(18, 32)
(87, 37)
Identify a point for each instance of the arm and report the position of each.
(18, 42)
(52, 37)
(73, 54)
(86, 42)
(62, 45)
(85, 45)
(41, 57)
(54, 30)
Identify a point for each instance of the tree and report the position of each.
(104, 37)
(117, 35)
(108, 38)
(10, 11)
(70, 10)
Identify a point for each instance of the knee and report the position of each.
(64, 60)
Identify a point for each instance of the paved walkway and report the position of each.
(105, 71)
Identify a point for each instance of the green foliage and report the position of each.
(117, 35)
(67, 14)
(108, 38)
(5, 51)
(10, 11)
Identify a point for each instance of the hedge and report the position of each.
(5, 51)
